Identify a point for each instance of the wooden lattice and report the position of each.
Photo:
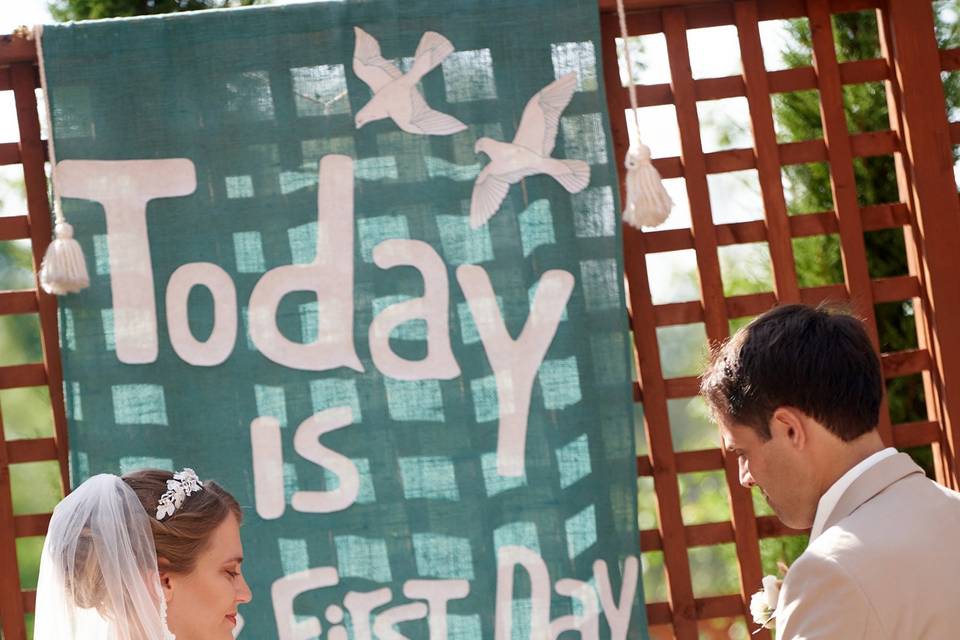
(910, 69)
(919, 139)
(18, 73)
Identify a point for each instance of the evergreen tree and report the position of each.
(64, 10)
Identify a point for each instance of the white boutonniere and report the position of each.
(763, 604)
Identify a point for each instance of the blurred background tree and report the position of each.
(64, 10)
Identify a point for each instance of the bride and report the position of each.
(153, 555)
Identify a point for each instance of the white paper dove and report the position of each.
(528, 154)
(395, 94)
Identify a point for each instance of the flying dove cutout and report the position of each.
(395, 94)
(528, 154)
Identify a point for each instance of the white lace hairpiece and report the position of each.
(183, 484)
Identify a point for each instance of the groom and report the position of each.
(797, 396)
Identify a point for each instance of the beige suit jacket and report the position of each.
(886, 567)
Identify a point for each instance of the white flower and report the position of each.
(183, 484)
(165, 509)
(188, 480)
(763, 603)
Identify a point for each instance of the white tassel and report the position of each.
(648, 203)
(64, 269)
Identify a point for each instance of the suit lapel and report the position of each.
(870, 483)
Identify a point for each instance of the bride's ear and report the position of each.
(166, 584)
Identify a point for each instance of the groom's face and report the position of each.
(774, 467)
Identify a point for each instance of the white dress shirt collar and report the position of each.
(829, 499)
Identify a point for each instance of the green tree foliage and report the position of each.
(64, 10)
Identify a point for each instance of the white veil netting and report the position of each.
(98, 570)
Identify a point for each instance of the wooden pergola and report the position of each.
(919, 138)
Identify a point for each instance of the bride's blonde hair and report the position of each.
(179, 539)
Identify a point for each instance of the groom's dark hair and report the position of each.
(816, 359)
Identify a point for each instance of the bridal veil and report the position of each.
(98, 571)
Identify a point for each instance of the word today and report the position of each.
(124, 187)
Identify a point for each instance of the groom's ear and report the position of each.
(166, 584)
(790, 424)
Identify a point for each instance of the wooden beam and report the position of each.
(752, 304)
(949, 59)
(15, 48)
(644, 16)
(695, 165)
(610, 6)
(9, 153)
(686, 387)
(34, 524)
(893, 289)
(14, 302)
(16, 376)
(712, 533)
(905, 189)
(905, 363)
(681, 609)
(884, 216)
(14, 228)
(34, 158)
(830, 293)
(29, 600)
(926, 141)
(12, 623)
(862, 145)
(31, 450)
(765, 148)
(916, 434)
(779, 81)
(842, 181)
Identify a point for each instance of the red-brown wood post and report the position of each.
(905, 190)
(657, 428)
(11, 602)
(767, 152)
(23, 78)
(842, 181)
(936, 210)
(705, 245)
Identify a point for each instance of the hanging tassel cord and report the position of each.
(648, 203)
(631, 85)
(64, 268)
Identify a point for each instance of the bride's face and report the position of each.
(202, 604)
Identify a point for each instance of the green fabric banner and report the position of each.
(360, 262)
